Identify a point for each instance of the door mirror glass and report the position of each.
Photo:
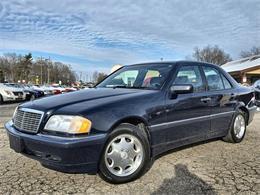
(181, 89)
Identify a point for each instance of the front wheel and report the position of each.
(237, 130)
(32, 97)
(126, 155)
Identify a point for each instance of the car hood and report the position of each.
(13, 89)
(59, 101)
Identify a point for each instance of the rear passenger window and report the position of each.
(227, 84)
(213, 78)
(190, 75)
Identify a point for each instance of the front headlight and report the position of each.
(68, 124)
(8, 92)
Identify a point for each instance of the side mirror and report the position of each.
(181, 89)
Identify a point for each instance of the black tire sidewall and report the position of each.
(234, 137)
(1, 99)
(132, 130)
(32, 97)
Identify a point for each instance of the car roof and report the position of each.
(173, 62)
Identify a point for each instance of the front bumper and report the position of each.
(13, 98)
(64, 154)
(252, 110)
(257, 102)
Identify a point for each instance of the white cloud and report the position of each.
(128, 31)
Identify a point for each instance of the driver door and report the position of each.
(188, 115)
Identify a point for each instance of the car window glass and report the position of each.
(150, 75)
(190, 75)
(227, 84)
(213, 78)
(125, 78)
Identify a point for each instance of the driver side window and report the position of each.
(190, 75)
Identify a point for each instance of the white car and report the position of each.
(9, 93)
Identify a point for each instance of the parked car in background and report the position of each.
(132, 116)
(30, 93)
(46, 89)
(57, 89)
(33, 93)
(256, 86)
(70, 89)
(8, 93)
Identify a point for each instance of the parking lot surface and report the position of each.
(214, 167)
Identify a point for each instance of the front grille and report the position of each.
(27, 120)
(18, 93)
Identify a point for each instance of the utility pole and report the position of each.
(41, 70)
(80, 75)
(49, 70)
(48, 75)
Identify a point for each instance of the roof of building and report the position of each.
(244, 64)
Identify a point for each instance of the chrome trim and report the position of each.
(191, 119)
(31, 110)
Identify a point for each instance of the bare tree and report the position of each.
(95, 76)
(211, 54)
(252, 52)
(9, 63)
(15, 67)
(101, 76)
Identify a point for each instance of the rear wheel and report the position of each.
(126, 155)
(237, 130)
(1, 99)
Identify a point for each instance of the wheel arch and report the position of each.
(136, 121)
(133, 120)
(245, 110)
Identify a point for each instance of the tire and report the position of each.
(235, 136)
(126, 155)
(32, 97)
(1, 99)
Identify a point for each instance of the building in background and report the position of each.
(246, 70)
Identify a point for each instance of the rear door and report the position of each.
(221, 99)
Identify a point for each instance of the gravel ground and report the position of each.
(214, 167)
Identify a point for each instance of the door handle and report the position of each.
(207, 99)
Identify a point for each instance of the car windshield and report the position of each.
(150, 76)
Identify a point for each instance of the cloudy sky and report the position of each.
(97, 34)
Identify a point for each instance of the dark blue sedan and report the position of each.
(138, 112)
